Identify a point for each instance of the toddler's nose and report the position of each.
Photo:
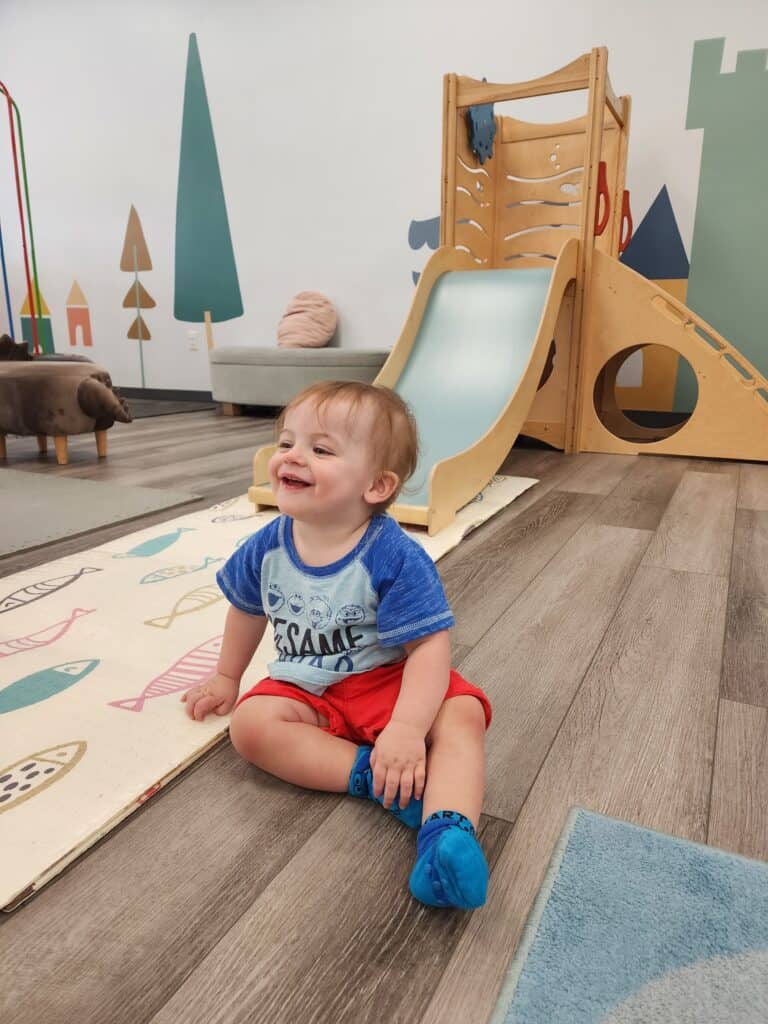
(294, 454)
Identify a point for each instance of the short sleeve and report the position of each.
(412, 602)
(240, 577)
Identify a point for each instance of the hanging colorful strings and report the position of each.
(34, 301)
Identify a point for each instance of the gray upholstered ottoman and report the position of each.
(272, 376)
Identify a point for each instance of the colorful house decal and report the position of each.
(657, 252)
(44, 327)
(78, 316)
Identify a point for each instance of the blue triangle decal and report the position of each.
(656, 250)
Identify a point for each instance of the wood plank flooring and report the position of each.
(616, 614)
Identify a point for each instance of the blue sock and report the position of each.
(450, 869)
(361, 785)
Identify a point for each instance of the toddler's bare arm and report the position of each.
(242, 635)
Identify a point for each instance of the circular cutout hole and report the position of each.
(645, 393)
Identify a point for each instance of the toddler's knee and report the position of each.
(248, 732)
(471, 714)
(460, 716)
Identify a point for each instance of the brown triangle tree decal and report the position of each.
(145, 300)
(135, 252)
(138, 324)
(135, 257)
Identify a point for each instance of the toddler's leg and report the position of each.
(284, 737)
(450, 869)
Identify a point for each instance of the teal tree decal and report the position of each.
(206, 274)
(727, 277)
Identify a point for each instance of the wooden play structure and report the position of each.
(526, 295)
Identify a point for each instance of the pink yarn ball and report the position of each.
(309, 321)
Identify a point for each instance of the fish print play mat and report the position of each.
(96, 650)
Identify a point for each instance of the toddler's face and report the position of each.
(324, 461)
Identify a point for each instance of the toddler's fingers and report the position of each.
(379, 780)
(191, 699)
(419, 780)
(406, 788)
(203, 706)
(391, 787)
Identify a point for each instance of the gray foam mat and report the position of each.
(36, 509)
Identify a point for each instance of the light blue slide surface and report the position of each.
(472, 348)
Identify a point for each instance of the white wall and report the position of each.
(327, 123)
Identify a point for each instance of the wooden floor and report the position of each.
(616, 614)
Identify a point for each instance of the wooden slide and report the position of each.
(468, 362)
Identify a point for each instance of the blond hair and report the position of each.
(394, 438)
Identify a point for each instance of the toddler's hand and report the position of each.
(217, 694)
(399, 761)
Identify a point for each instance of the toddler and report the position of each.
(362, 697)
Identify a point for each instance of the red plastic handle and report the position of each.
(626, 219)
(602, 190)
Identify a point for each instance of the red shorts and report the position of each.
(359, 706)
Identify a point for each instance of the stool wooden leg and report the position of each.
(231, 409)
(101, 443)
(42, 444)
(62, 456)
(3, 452)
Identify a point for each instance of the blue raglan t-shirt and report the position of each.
(333, 621)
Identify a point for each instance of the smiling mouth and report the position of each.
(293, 483)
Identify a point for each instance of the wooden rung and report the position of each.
(42, 444)
(573, 76)
(101, 443)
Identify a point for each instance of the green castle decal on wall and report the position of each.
(727, 278)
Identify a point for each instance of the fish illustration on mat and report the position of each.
(44, 684)
(34, 773)
(160, 575)
(42, 637)
(155, 545)
(221, 505)
(192, 668)
(37, 590)
(194, 601)
(235, 518)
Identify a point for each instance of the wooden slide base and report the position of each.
(626, 311)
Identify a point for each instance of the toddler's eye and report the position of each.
(284, 445)
(321, 451)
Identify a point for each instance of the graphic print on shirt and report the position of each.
(349, 614)
(296, 643)
(340, 619)
(319, 612)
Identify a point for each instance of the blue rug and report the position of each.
(635, 927)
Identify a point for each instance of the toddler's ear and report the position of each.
(382, 487)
